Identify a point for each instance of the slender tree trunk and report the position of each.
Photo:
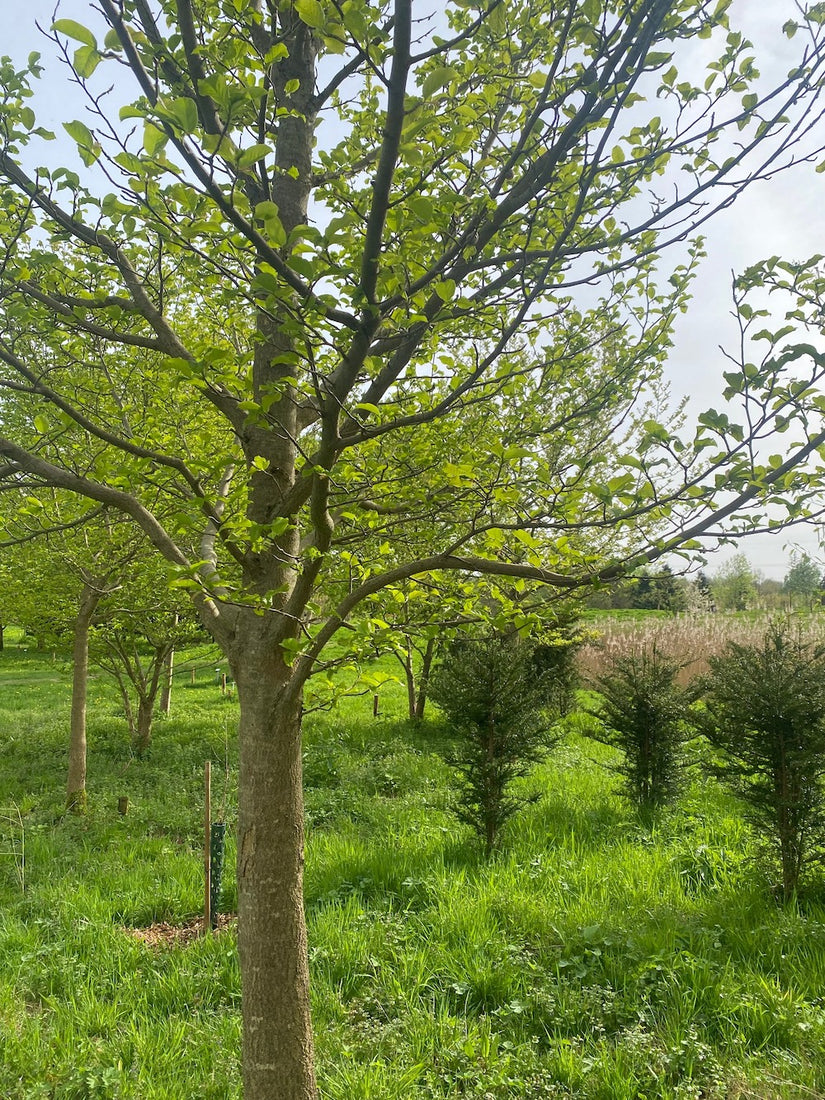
(2, 632)
(409, 673)
(278, 1049)
(142, 736)
(76, 781)
(168, 674)
(424, 679)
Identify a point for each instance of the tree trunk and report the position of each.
(409, 673)
(277, 1041)
(168, 674)
(76, 780)
(424, 679)
(142, 736)
(2, 632)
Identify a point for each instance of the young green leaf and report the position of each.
(76, 31)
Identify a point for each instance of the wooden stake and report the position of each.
(207, 849)
(375, 706)
(193, 676)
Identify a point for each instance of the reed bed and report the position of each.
(691, 639)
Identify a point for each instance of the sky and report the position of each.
(784, 216)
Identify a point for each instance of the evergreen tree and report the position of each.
(766, 712)
(500, 694)
(643, 713)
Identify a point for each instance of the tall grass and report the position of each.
(689, 639)
(592, 958)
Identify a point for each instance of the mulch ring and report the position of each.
(162, 934)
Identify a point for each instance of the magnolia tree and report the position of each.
(310, 311)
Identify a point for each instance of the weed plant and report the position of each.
(592, 959)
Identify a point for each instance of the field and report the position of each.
(592, 958)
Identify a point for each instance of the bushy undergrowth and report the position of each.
(593, 959)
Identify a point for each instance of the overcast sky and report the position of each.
(784, 216)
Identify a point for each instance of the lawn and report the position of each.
(592, 958)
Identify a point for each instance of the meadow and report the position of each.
(593, 957)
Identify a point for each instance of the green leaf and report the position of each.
(438, 78)
(80, 132)
(130, 111)
(75, 30)
(41, 424)
(292, 86)
(254, 153)
(86, 60)
(185, 112)
(445, 290)
(266, 210)
(153, 138)
(311, 13)
(89, 148)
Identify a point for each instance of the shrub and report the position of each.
(643, 713)
(499, 694)
(766, 712)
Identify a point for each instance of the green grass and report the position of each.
(592, 958)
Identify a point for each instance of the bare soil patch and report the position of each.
(161, 934)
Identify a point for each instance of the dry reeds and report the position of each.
(689, 639)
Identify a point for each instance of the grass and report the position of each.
(592, 958)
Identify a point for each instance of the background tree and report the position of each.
(766, 712)
(298, 299)
(802, 581)
(703, 592)
(133, 642)
(661, 591)
(734, 585)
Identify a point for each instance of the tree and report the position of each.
(703, 597)
(134, 644)
(661, 591)
(802, 581)
(497, 692)
(734, 585)
(644, 713)
(53, 590)
(766, 711)
(295, 302)
(88, 578)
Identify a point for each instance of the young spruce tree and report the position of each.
(500, 694)
(766, 712)
(643, 713)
